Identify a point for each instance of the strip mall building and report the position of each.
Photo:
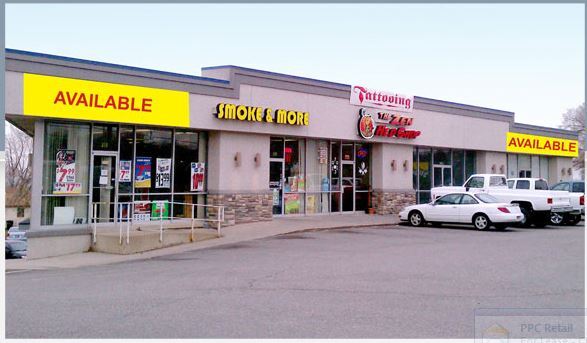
(261, 143)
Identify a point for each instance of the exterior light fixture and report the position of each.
(237, 159)
(405, 165)
(392, 164)
(257, 159)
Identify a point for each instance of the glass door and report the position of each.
(104, 187)
(276, 184)
(348, 177)
(442, 175)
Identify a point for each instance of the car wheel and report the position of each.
(500, 227)
(416, 218)
(481, 222)
(573, 220)
(524, 222)
(556, 218)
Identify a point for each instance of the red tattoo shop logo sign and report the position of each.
(385, 124)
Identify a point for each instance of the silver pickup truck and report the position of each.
(537, 207)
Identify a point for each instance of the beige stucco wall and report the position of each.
(383, 176)
(487, 159)
(336, 118)
(223, 173)
(555, 169)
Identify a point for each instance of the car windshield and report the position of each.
(486, 198)
(579, 187)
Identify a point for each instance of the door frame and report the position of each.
(281, 182)
(442, 168)
(116, 172)
(352, 163)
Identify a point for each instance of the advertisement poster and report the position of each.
(322, 154)
(67, 188)
(65, 161)
(124, 171)
(163, 173)
(276, 197)
(143, 172)
(292, 203)
(197, 176)
(142, 211)
(160, 209)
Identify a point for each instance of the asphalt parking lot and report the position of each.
(380, 282)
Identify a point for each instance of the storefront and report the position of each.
(262, 144)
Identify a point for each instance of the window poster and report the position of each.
(124, 171)
(292, 203)
(65, 161)
(163, 173)
(67, 188)
(160, 210)
(142, 211)
(198, 170)
(143, 172)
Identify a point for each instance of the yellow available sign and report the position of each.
(58, 97)
(542, 145)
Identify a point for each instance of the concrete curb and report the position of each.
(181, 248)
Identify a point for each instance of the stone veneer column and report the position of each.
(242, 207)
(392, 202)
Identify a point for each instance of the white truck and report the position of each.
(536, 206)
(577, 200)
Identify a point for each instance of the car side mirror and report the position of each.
(466, 189)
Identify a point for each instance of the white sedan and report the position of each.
(480, 209)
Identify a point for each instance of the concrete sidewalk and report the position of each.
(229, 235)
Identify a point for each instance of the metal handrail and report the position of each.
(130, 219)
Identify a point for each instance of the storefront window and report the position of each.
(105, 137)
(65, 174)
(544, 167)
(524, 166)
(458, 170)
(470, 163)
(512, 166)
(362, 176)
(294, 172)
(126, 160)
(276, 148)
(335, 179)
(152, 163)
(317, 176)
(442, 157)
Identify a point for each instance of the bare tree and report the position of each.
(18, 170)
(574, 119)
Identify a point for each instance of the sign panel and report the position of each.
(160, 210)
(143, 172)
(65, 161)
(258, 114)
(384, 124)
(198, 170)
(142, 211)
(58, 97)
(364, 96)
(163, 173)
(124, 171)
(541, 145)
(67, 188)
